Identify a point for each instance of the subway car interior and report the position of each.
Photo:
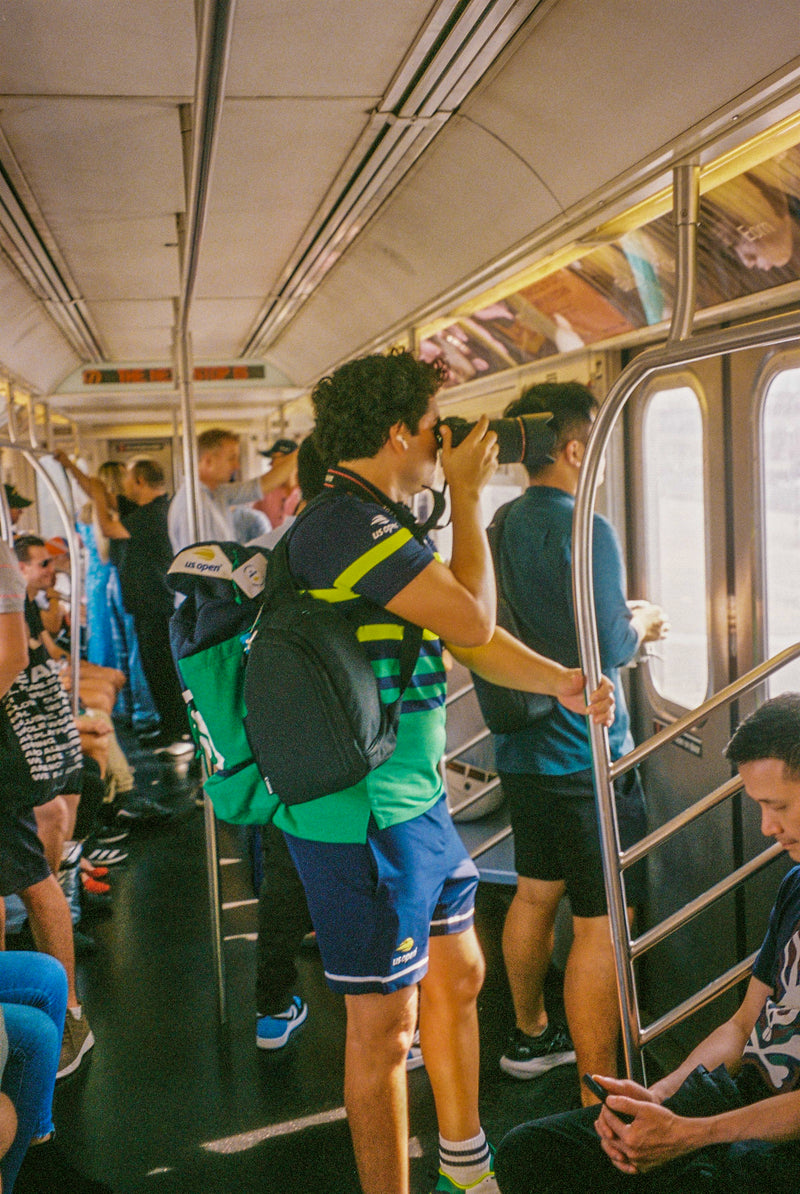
(208, 205)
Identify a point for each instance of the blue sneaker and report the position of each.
(484, 1185)
(272, 1032)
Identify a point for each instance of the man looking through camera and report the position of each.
(389, 884)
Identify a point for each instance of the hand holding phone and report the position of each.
(602, 1094)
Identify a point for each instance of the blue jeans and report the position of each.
(33, 995)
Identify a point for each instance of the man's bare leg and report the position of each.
(528, 948)
(448, 1031)
(51, 926)
(379, 1032)
(52, 825)
(590, 998)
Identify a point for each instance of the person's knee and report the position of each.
(8, 1124)
(52, 819)
(382, 1026)
(456, 968)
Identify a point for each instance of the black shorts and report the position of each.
(22, 860)
(556, 836)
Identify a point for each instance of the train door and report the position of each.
(705, 501)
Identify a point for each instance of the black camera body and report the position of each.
(526, 439)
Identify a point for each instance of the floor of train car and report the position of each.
(173, 1103)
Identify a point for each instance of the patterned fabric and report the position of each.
(774, 1044)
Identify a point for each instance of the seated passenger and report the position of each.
(33, 998)
(24, 868)
(737, 1127)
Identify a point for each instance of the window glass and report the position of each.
(675, 544)
(780, 439)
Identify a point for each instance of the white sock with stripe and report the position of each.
(465, 1161)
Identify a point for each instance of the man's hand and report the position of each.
(654, 1136)
(650, 621)
(601, 701)
(469, 467)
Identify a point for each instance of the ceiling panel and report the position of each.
(437, 228)
(274, 164)
(138, 331)
(98, 47)
(321, 47)
(40, 356)
(595, 90)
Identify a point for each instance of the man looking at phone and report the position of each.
(736, 1127)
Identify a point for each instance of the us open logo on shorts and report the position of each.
(406, 950)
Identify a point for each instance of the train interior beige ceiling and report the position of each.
(481, 127)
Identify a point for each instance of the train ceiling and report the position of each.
(375, 161)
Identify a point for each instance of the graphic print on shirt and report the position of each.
(774, 1044)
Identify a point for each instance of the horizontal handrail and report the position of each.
(452, 697)
(491, 842)
(700, 999)
(694, 907)
(725, 695)
(647, 844)
(481, 736)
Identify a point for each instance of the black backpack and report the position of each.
(506, 710)
(315, 720)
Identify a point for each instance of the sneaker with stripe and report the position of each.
(272, 1032)
(484, 1185)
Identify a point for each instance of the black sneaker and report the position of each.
(528, 1056)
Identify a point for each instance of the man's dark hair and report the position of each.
(23, 545)
(310, 469)
(571, 404)
(148, 472)
(772, 732)
(358, 404)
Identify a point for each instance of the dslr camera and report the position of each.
(526, 439)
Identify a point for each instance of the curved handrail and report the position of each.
(764, 333)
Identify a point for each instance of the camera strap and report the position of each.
(342, 479)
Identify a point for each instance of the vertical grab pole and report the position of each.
(686, 192)
(215, 33)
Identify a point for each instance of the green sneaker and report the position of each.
(484, 1185)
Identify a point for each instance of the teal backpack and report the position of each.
(210, 633)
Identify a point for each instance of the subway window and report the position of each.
(780, 435)
(675, 543)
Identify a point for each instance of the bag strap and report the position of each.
(281, 584)
(495, 536)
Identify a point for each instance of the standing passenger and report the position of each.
(218, 493)
(389, 884)
(545, 768)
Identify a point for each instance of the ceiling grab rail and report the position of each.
(677, 352)
(213, 54)
(67, 515)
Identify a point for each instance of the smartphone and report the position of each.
(602, 1094)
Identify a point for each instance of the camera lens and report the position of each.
(527, 439)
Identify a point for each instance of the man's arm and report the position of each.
(657, 1135)
(459, 603)
(13, 648)
(506, 661)
(283, 471)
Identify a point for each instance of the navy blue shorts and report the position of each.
(375, 904)
(22, 860)
(556, 835)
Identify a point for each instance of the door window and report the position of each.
(675, 542)
(781, 496)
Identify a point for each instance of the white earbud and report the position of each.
(402, 439)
